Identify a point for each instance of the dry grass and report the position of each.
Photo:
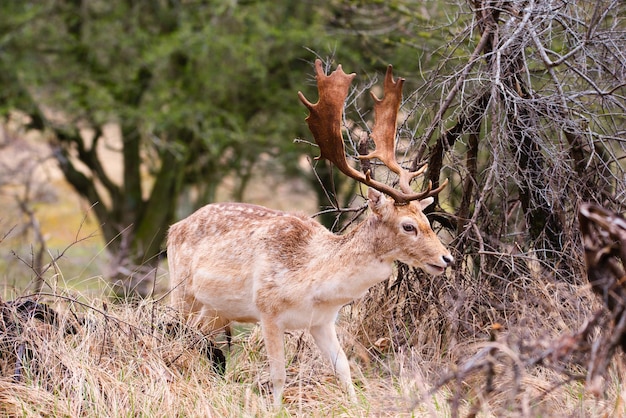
(527, 345)
(121, 362)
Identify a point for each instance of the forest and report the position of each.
(119, 118)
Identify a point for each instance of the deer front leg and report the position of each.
(325, 337)
(274, 345)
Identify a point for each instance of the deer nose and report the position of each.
(447, 259)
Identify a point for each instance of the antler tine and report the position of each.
(384, 131)
(430, 191)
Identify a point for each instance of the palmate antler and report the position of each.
(325, 121)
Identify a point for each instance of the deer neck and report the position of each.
(360, 259)
(367, 241)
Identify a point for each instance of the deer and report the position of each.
(238, 262)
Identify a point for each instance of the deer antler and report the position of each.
(384, 135)
(325, 119)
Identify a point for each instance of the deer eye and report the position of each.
(408, 228)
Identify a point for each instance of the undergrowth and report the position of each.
(113, 360)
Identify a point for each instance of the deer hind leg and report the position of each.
(207, 321)
(325, 337)
(274, 345)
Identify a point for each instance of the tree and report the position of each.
(527, 124)
(195, 91)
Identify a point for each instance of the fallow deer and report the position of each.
(246, 263)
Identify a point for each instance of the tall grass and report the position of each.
(120, 362)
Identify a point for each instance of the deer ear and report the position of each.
(424, 203)
(377, 201)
